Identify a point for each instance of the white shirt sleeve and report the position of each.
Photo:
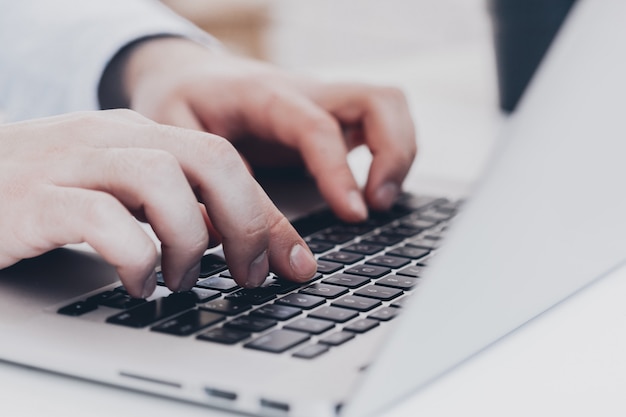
(53, 53)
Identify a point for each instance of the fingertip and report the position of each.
(357, 206)
(258, 271)
(385, 196)
(190, 278)
(302, 263)
(140, 280)
(149, 285)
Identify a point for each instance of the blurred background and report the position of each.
(305, 33)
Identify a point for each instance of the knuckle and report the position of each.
(88, 120)
(216, 148)
(98, 208)
(387, 96)
(123, 113)
(198, 244)
(393, 94)
(402, 157)
(280, 226)
(158, 162)
(322, 125)
(257, 227)
(145, 256)
(149, 167)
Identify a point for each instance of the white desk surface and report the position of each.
(569, 361)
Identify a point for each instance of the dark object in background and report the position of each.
(523, 31)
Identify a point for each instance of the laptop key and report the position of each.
(218, 284)
(283, 286)
(364, 248)
(345, 258)
(424, 243)
(436, 215)
(203, 294)
(250, 324)
(323, 290)
(388, 261)
(354, 302)
(277, 312)
(384, 239)
(319, 247)
(337, 339)
(304, 301)
(188, 322)
(153, 311)
(326, 267)
(255, 296)
(398, 281)
(352, 228)
(211, 264)
(379, 292)
(336, 238)
(362, 325)
(345, 280)
(103, 296)
(404, 230)
(419, 223)
(414, 271)
(370, 271)
(228, 307)
(78, 308)
(121, 300)
(385, 313)
(310, 325)
(409, 252)
(311, 351)
(224, 336)
(334, 314)
(278, 341)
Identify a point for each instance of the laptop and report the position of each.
(451, 277)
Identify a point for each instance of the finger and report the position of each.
(255, 235)
(387, 129)
(302, 125)
(72, 215)
(250, 225)
(214, 237)
(181, 115)
(159, 189)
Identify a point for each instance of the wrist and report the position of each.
(126, 67)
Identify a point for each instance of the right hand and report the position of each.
(77, 178)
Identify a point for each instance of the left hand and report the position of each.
(276, 118)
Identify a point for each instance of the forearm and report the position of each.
(53, 54)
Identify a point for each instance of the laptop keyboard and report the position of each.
(365, 273)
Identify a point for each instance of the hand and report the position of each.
(276, 118)
(77, 178)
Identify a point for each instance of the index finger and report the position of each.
(302, 125)
(388, 131)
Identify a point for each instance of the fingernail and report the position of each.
(357, 205)
(190, 278)
(258, 270)
(302, 262)
(387, 194)
(149, 285)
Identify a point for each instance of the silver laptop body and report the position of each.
(547, 219)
